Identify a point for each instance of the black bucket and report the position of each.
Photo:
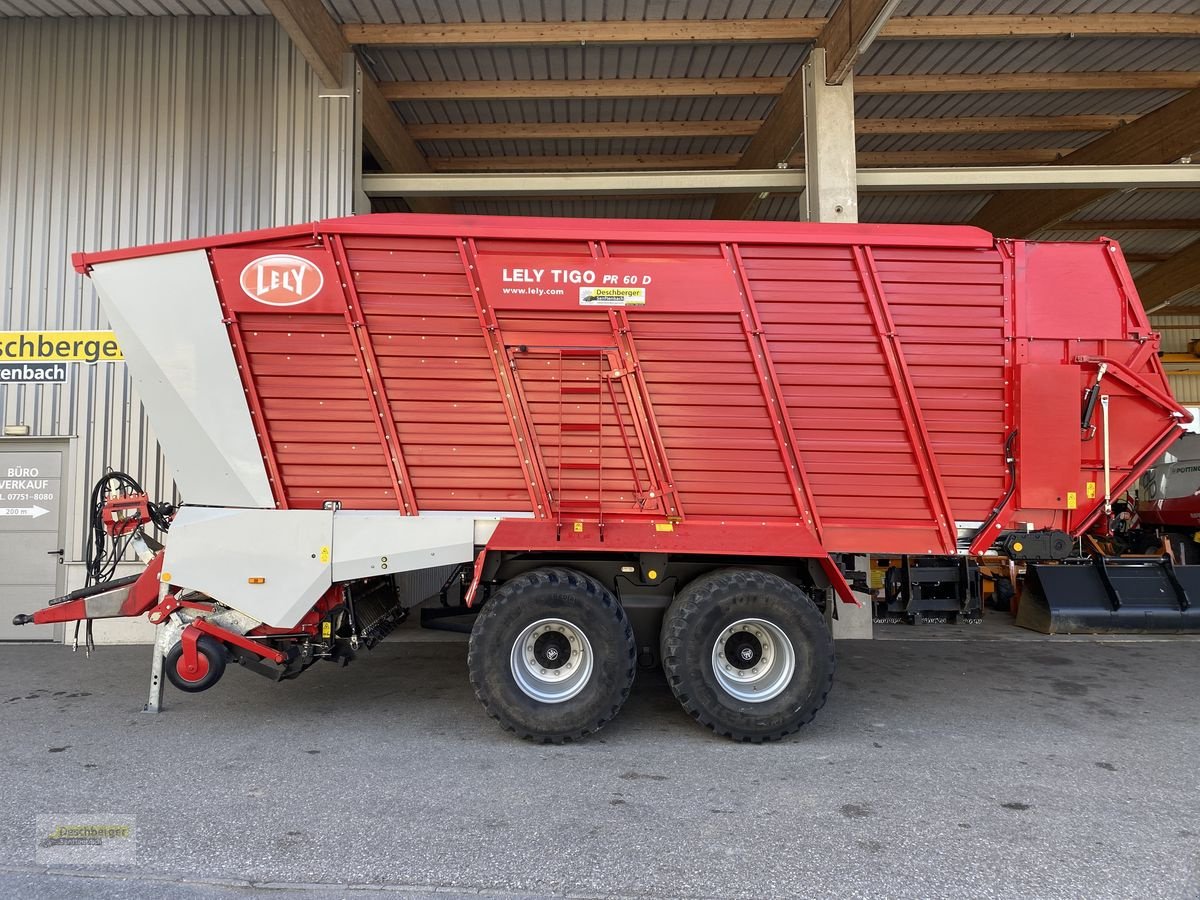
(1111, 595)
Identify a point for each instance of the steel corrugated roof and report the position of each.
(1051, 103)
(592, 207)
(1189, 299)
(593, 61)
(1025, 55)
(97, 8)
(1156, 204)
(604, 109)
(936, 208)
(599, 146)
(1161, 242)
(1040, 7)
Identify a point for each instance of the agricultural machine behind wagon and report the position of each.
(615, 445)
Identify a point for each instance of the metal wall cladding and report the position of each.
(1177, 331)
(135, 131)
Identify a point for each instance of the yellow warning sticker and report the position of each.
(1091, 490)
(326, 630)
(664, 526)
(324, 554)
(578, 527)
(1072, 500)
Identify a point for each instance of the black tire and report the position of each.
(1002, 595)
(581, 601)
(700, 615)
(211, 652)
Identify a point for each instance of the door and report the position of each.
(32, 472)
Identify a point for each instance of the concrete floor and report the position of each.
(947, 769)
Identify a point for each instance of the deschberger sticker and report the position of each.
(281, 280)
(612, 296)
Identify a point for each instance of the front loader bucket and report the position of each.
(1112, 595)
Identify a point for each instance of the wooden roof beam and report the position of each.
(319, 39)
(554, 89)
(963, 27)
(1171, 278)
(1163, 136)
(854, 25)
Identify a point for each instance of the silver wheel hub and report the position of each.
(551, 660)
(753, 660)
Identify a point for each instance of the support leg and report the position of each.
(154, 702)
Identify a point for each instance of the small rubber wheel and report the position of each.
(211, 656)
(747, 654)
(552, 655)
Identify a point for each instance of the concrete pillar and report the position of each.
(831, 191)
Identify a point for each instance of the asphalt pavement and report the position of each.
(937, 769)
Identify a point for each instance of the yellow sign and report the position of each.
(59, 346)
(1072, 500)
(663, 526)
(1091, 490)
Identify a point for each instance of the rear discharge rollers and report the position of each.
(746, 653)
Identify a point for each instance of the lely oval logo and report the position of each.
(282, 280)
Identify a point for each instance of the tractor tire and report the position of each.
(747, 654)
(212, 665)
(552, 655)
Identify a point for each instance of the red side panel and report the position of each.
(951, 309)
(439, 373)
(306, 383)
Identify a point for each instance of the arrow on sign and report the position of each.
(30, 512)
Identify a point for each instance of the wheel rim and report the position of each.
(201, 668)
(551, 660)
(753, 660)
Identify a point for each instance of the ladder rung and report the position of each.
(583, 426)
(579, 465)
(581, 389)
